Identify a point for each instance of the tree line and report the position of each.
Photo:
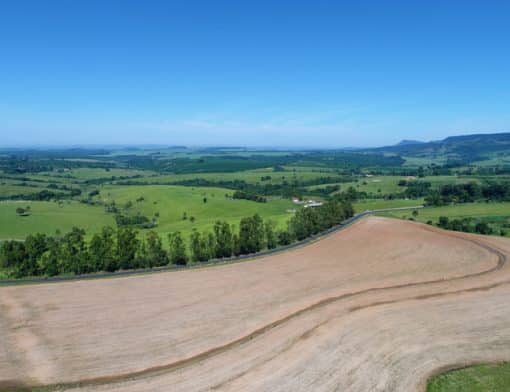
(466, 193)
(123, 248)
(249, 196)
(468, 225)
(288, 187)
(44, 195)
(444, 194)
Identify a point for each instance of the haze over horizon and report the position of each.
(292, 73)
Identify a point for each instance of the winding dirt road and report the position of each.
(380, 306)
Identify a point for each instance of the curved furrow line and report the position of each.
(354, 309)
(122, 377)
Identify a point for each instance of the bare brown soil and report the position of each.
(380, 306)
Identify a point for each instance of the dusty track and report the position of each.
(271, 323)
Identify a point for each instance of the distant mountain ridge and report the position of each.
(464, 147)
(406, 142)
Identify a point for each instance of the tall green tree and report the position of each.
(194, 245)
(35, 246)
(202, 245)
(270, 235)
(251, 234)
(304, 223)
(127, 247)
(73, 257)
(236, 246)
(103, 250)
(156, 255)
(285, 237)
(177, 249)
(142, 256)
(49, 260)
(12, 257)
(224, 239)
(211, 245)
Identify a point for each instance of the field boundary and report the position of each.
(215, 262)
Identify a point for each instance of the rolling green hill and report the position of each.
(466, 148)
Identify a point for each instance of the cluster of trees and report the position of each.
(44, 195)
(420, 171)
(111, 250)
(249, 196)
(102, 180)
(108, 250)
(324, 191)
(349, 160)
(137, 220)
(23, 211)
(416, 189)
(309, 221)
(465, 224)
(465, 193)
(448, 193)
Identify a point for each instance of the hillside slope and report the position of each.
(466, 147)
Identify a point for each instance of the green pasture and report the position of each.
(171, 202)
(497, 215)
(249, 176)
(8, 190)
(481, 378)
(376, 204)
(47, 217)
(382, 185)
(90, 173)
(385, 185)
(437, 181)
(316, 169)
(474, 210)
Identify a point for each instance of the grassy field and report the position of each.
(481, 378)
(167, 204)
(249, 176)
(46, 217)
(8, 190)
(437, 181)
(171, 202)
(389, 184)
(496, 214)
(475, 210)
(89, 173)
(377, 185)
(374, 204)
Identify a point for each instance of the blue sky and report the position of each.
(264, 73)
